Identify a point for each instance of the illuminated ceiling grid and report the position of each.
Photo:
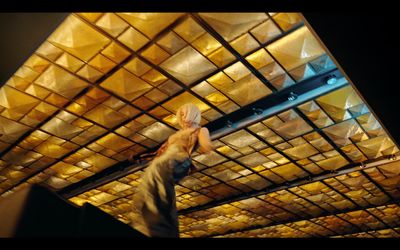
(106, 86)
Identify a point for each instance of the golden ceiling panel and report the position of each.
(358, 188)
(390, 214)
(15, 102)
(335, 224)
(69, 62)
(171, 42)
(150, 23)
(185, 97)
(362, 219)
(133, 39)
(266, 31)
(112, 24)
(288, 124)
(89, 73)
(188, 65)
(102, 63)
(126, 85)
(61, 128)
(157, 132)
(189, 30)
(78, 38)
(287, 20)
(206, 44)
(60, 81)
(244, 44)
(11, 130)
(296, 48)
(221, 57)
(232, 25)
(387, 176)
(105, 116)
(338, 102)
(291, 202)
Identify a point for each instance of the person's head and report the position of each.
(188, 115)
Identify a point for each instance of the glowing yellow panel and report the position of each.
(221, 57)
(154, 77)
(287, 20)
(239, 139)
(26, 73)
(150, 23)
(115, 52)
(156, 95)
(64, 170)
(171, 43)
(61, 82)
(51, 150)
(61, 128)
(91, 16)
(188, 65)
(173, 104)
(216, 98)
(247, 90)
(155, 54)
(18, 83)
(78, 38)
(126, 85)
(341, 132)
(102, 63)
(69, 62)
(189, 30)
(143, 103)
(89, 73)
(378, 146)
(49, 51)
(237, 71)
(105, 116)
(315, 114)
(244, 44)
(37, 63)
(114, 142)
(289, 171)
(290, 127)
(343, 98)
(157, 132)
(296, 48)
(112, 24)
(137, 66)
(10, 130)
(206, 44)
(253, 160)
(99, 162)
(133, 39)
(102, 198)
(301, 151)
(232, 25)
(16, 101)
(265, 31)
(259, 59)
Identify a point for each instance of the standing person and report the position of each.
(155, 201)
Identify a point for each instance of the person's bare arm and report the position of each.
(205, 145)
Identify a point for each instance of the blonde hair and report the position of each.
(188, 115)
